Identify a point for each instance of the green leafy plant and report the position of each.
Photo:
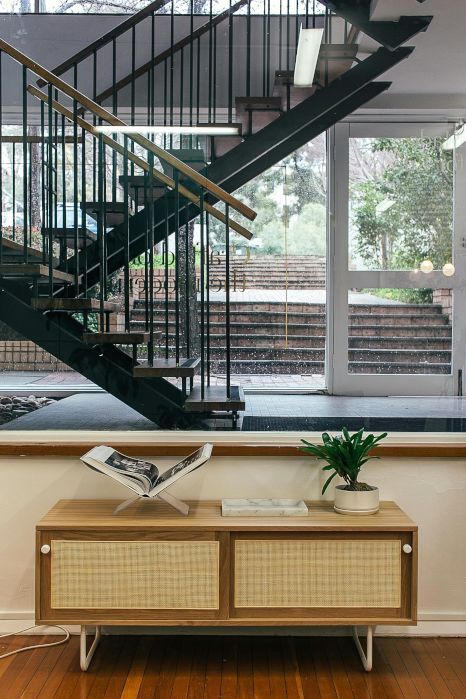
(345, 456)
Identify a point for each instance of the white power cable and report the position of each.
(37, 645)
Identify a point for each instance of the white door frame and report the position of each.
(340, 279)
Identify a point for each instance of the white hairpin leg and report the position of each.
(85, 656)
(366, 657)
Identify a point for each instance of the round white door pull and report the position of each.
(45, 548)
(407, 548)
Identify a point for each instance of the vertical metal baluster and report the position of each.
(13, 186)
(172, 41)
(288, 34)
(133, 89)
(126, 234)
(114, 109)
(83, 215)
(177, 270)
(151, 260)
(95, 143)
(55, 170)
(198, 80)
(181, 92)
(168, 196)
(75, 189)
(230, 64)
(191, 65)
(307, 17)
(248, 50)
(202, 283)
(62, 244)
(186, 281)
(43, 179)
(214, 95)
(207, 257)
(146, 250)
(101, 229)
(211, 59)
(50, 187)
(25, 165)
(152, 70)
(227, 296)
(268, 48)
(1, 158)
(30, 203)
(280, 36)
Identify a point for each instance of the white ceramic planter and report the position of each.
(356, 502)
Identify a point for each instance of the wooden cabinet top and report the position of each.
(147, 514)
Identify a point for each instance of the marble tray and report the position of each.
(253, 507)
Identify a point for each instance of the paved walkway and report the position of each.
(298, 296)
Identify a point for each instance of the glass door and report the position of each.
(397, 241)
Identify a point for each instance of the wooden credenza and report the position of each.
(149, 565)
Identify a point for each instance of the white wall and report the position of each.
(431, 491)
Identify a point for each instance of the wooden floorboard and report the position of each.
(215, 667)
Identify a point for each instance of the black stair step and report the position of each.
(34, 271)
(215, 399)
(185, 368)
(138, 191)
(114, 211)
(73, 305)
(116, 338)
(67, 235)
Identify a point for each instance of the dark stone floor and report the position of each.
(100, 411)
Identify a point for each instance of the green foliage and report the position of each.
(344, 455)
(403, 295)
(417, 176)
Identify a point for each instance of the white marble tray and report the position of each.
(253, 507)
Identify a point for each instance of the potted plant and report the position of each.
(345, 456)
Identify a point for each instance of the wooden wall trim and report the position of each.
(225, 449)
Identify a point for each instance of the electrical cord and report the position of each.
(37, 645)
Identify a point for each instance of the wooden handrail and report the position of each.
(160, 176)
(156, 60)
(107, 116)
(120, 29)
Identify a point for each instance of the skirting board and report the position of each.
(445, 626)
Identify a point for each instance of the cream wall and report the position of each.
(431, 491)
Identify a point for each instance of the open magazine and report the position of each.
(142, 476)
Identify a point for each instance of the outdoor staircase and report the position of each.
(272, 272)
(271, 338)
(275, 123)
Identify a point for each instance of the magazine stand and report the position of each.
(179, 505)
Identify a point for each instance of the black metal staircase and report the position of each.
(108, 198)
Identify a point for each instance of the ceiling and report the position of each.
(438, 65)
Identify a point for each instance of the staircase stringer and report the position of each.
(60, 335)
(290, 131)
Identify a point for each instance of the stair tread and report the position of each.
(85, 236)
(26, 270)
(168, 367)
(74, 305)
(117, 338)
(215, 398)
